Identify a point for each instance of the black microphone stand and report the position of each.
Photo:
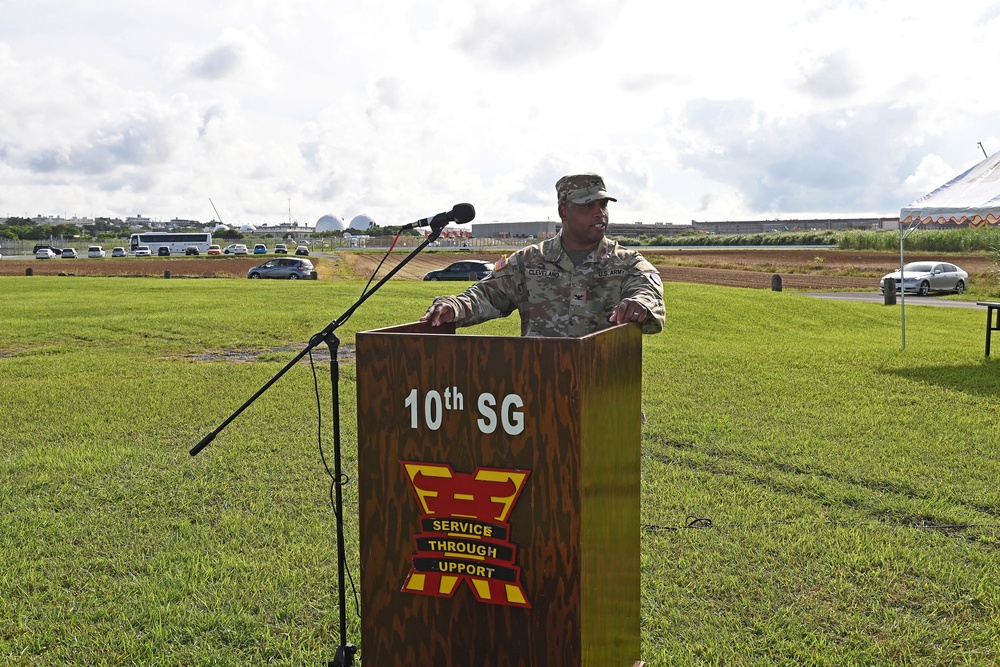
(345, 652)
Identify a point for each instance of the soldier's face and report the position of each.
(584, 225)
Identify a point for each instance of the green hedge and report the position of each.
(765, 239)
(920, 239)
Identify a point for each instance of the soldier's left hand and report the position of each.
(629, 310)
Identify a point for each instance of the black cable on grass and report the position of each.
(344, 479)
(692, 522)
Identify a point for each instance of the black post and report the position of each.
(889, 291)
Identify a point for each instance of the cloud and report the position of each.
(311, 145)
(215, 117)
(539, 186)
(391, 107)
(132, 141)
(218, 63)
(149, 135)
(234, 54)
(843, 160)
(631, 175)
(641, 83)
(389, 94)
(991, 13)
(931, 173)
(832, 76)
(537, 32)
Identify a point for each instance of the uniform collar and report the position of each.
(552, 249)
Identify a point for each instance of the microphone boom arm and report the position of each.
(345, 652)
(315, 341)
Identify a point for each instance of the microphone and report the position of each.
(460, 213)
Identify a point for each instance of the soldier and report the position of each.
(572, 285)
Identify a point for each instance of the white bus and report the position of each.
(177, 243)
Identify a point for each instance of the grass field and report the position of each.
(851, 486)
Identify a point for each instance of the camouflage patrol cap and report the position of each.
(581, 189)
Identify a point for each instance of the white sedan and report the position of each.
(925, 277)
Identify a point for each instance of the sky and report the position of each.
(399, 109)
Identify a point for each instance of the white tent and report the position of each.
(972, 198)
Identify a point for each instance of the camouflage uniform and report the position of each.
(555, 298)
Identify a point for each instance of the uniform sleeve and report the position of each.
(642, 283)
(490, 298)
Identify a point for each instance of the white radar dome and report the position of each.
(362, 222)
(221, 228)
(330, 223)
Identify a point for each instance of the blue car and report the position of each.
(260, 249)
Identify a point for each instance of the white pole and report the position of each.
(902, 283)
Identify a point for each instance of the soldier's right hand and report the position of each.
(438, 314)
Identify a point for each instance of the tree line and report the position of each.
(26, 229)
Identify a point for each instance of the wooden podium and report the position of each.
(499, 498)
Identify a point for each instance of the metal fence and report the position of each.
(15, 247)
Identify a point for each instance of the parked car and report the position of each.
(45, 253)
(39, 246)
(235, 249)
(284, 267)
(280, 249)
(95, 252)
(469, 269)
(143, 251)
(118, 252)
(69, 253)
(192, 250)
(925, 277)
(302, 250)
(214, 250)
(163, 251)
(260, 249)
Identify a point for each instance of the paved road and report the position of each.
(876, 297)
